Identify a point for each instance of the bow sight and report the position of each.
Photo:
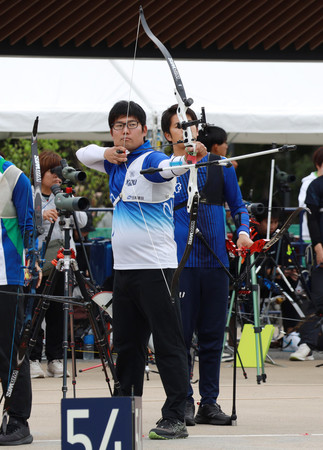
(189, 123)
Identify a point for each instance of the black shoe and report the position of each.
(16, 434)
(189, 414)
(212, 414)
(169, 429)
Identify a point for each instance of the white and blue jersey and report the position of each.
(210, 221)
(142, 226)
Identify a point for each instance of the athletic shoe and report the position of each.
(189, 414)
(226, 357)
(303, 353)
(36, 370)
(55, 369)
(212, 414)
(16, 434)
(169, 429)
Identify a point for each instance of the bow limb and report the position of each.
(37, 179)
(33, 255)
(192, 189)
(183, 104)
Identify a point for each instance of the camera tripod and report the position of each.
(67, 264)
(251, 287)
(284, 288)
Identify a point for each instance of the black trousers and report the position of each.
(11, 321)
(142, 305)
(309, 332)
(54, 318)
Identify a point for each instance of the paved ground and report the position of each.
(286, 412)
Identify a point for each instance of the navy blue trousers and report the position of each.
(204, 304)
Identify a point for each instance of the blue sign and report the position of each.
(101, 423)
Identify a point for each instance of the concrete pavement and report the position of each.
(286, 412)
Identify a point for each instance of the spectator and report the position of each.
(49, 166)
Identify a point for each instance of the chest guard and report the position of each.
(137, 188)
(212, 192)
(8, 181)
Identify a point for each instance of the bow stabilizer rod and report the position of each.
(220, 162)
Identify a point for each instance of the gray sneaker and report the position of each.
(16, 434)
(169, 429)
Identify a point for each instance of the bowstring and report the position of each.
(126, 166)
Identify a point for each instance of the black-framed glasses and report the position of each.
(132, 124)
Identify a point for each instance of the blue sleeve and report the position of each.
(108, 166)
(23, 201)
(233, 196)
(153, 160)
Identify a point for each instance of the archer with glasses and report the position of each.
(145, 259)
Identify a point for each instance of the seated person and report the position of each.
(279, 256)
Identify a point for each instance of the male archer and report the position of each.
(16, 226)
(145, 259)
(204, 285)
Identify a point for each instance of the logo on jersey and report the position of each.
(178, 188)
(131, 182)
(167, 210)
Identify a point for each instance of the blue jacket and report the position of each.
(16, 195)
(211, 219)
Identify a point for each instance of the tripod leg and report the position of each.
(257, 327)
(41, 308)
(72, 347)
(227, 327)
(102, 343)
(232, 302)
(67, 293)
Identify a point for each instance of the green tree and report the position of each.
(95, 187)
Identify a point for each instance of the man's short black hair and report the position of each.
(169, 113)
(124, 108)
(212, 135)
(318, 157)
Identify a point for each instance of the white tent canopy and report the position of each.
(255, 102)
